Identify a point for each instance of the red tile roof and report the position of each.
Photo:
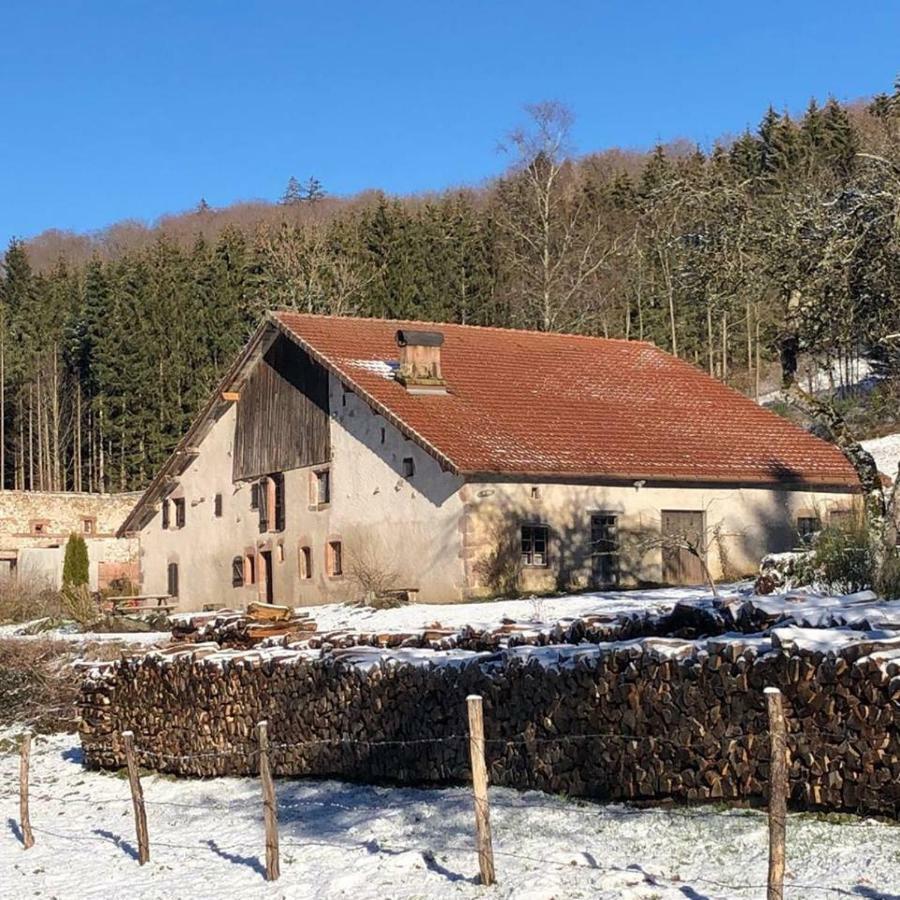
(524, 403)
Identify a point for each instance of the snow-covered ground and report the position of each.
(333, 616)
(70, 633)
(347, 840)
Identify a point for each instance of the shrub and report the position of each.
(76, 571)
(22, 600)
(78, 603)
(841, 559)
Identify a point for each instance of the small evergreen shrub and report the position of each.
(75, 564)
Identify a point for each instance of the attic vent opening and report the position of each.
(420, 361)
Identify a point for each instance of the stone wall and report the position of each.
(653, 719)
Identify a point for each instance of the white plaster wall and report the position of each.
(408, 529)
(753, 522)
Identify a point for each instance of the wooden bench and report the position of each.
(123, 606)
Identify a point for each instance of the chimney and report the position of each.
(420, 361)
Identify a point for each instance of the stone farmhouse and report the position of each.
(341, 456)
(35, 525)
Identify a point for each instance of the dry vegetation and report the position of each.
(38, 683)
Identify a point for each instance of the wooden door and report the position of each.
(679, 565)
(268, 575)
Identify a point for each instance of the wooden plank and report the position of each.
(137, 799)
(270, 809)
(778, 793)
(24, 814)
(480, 789)
(269, 612)
(231, 396)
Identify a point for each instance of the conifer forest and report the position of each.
(773, 246)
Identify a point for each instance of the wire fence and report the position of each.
(44, 792)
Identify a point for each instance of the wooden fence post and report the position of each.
(270, 809)
(480, 789)
(778, 793)
(137, 798)
(24, 816)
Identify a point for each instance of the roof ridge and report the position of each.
(431, 322)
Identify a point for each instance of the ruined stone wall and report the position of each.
(60, 513)
(649, 720)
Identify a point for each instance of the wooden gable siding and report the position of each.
(282, 414)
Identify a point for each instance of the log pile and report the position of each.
(658, 719)
(243, 629)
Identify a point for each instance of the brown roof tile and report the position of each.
(533, 404)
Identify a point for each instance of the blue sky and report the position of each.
(129, 109)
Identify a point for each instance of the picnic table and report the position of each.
(123, 606)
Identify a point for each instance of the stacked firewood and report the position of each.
(242, 629)
(651, 720)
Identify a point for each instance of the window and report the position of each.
(165, 514)
(254, 495)
(383, 435)
(605, 549)
(335, 555)
(409, 467)
(39, 527)
(173, 579)
(535, 493)
(276, 490)
(305, 562)
(807, 526)
(534, 545)
(217, 506)
(88, 525)
(320, 489)
(237, 571)
(262, 503)
(180, 509)
(280, 552)
(250, 569)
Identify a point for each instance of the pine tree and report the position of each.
(312, 191)
(76, 568)
(293, 193)
(839, 139)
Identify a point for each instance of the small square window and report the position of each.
(305, 562)
(88, 526)
(237, 571)
(409, 467)
(535, 493)
(320, 488)
(40, 527)
(180, 511)
(335, 559)
(534, 545)
(807, 526)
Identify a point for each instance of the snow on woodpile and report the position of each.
(650, 718)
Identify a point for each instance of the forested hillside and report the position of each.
(781, 242)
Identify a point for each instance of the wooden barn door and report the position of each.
(679, 566)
